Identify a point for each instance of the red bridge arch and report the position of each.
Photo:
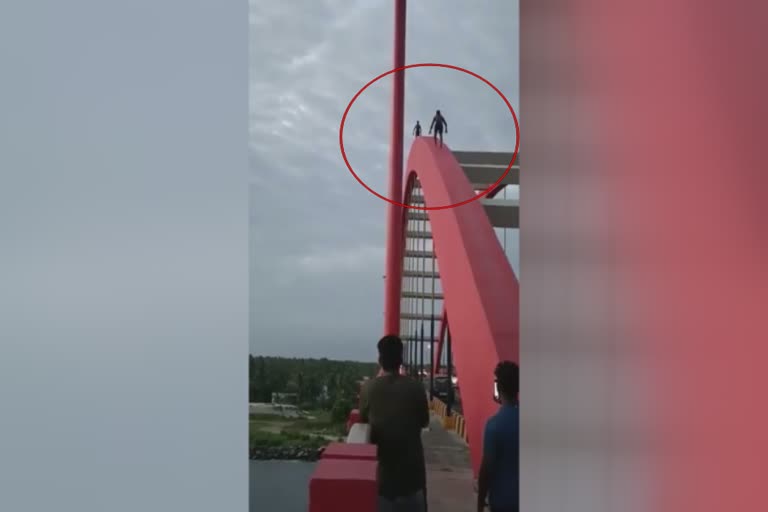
(481, 292)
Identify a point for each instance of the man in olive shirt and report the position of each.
(395, 407)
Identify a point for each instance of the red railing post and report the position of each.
(354, 417)
(394, 254)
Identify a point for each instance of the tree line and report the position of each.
(318, 383)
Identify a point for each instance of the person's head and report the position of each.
(507, 380)
(390, 353)
(438, 112)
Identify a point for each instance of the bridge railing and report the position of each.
(345, 478)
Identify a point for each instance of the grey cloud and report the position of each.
(317, 236)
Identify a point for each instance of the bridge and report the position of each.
(452, 296)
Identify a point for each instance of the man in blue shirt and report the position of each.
(499, 472)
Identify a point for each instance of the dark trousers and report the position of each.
(416, 502)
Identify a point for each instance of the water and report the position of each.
(279, 485)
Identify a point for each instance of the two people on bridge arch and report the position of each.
(438, 125)
(396, 408)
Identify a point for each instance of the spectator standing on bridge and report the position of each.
(395, 406)
(417, 130)
(499, 471)
(438, 124)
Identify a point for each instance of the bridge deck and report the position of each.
(449, 473)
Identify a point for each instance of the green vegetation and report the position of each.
(285, 438)
(319, 383)
(326, 391)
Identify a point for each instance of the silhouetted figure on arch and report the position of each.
(417, 130)
(439, 124)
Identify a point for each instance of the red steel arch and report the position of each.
(479, 286)
(435, 363)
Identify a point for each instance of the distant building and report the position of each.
(285, 398)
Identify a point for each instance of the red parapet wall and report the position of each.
(350, 451)
(344, 485)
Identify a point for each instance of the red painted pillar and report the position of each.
(394, 254)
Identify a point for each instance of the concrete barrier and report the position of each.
(455, 422)
(461, 427)
(360, 433)
(344, 485)
(345, 478)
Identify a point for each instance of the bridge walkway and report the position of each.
(450, 480)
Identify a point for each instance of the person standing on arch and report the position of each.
(438, 124)
(417, 130)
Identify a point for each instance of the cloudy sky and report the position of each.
(317, 236)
